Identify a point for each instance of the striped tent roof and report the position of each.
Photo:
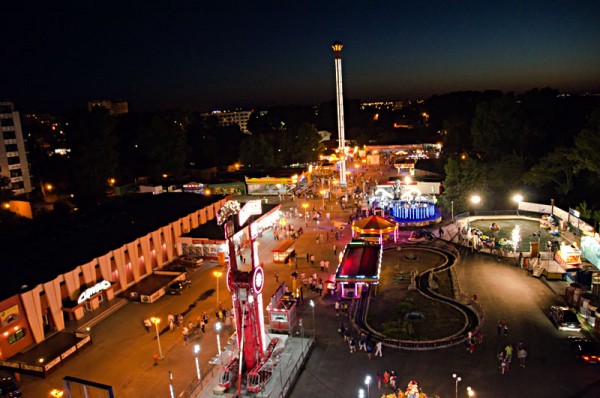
(374, 225)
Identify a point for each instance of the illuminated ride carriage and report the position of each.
(228, 373)
(359, 268)
(262, 372)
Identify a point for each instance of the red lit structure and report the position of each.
(359, 268)
(246, 294)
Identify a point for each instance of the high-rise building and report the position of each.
(113, 107)
(228, 118)
(13, 157)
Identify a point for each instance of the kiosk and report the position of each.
(283, 252)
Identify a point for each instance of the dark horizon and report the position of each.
(230, 55)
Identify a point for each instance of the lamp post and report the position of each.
(171, 386)
(368, 383)
(452, 206)
(323, 192)
(475, 200)
(305, 207)
(361, 393)
(312, 307)
(302, 336)
(457, 379)
(518, 198)
(218, 329)
(156, 320)
(470, 392)
(217, 275)
(197, 351)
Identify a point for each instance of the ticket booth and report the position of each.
(284, 251)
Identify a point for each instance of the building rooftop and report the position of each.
(40, 251)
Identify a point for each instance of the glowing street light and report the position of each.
(361, 393)
(217, 275)
(470, 392)
(218, 329)
(57, 393)
(156, 320)
(197, 351)
(475, 200)
(457, 379)
(368, 383)
(323, 192)
(518, 198)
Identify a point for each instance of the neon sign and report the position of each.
(97, 288)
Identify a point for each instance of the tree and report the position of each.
(499, 129)
(94, 154)
(257, 152)
(554, 169)
(6, 191)
(586, 155)
(163, 145)
(463, 178)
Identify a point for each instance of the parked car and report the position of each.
(585, 350)
(192, 261)
(178, 287)
(565, 318)
(8, 388)
(176, 267)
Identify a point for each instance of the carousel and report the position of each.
(373, 228)
(406, 205)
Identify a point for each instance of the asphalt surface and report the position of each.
(122, 352)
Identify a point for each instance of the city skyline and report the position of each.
(232, 54)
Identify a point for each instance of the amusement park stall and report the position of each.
(359, 268)
(282, 311)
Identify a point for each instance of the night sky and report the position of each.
(200, 55)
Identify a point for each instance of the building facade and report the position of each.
(229, 118)
(13, 156)
(113, 107)
(38, 310)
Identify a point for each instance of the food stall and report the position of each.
(283, 252)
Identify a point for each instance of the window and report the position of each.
(11, 148)
(9, 135)
(13, 160)
(16, 336)
(16, 173)
(7, 122)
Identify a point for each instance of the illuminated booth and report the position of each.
(283, 252)
(208, 240)
(282, 311)
(359, 268)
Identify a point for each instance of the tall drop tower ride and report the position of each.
(337, 51)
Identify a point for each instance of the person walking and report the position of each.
(277, 277)
(352, 345)
(334, 250)
(147, 324)
(307, 257)
(378, 377)
(337, 308)
(522, 355)
(312, 259)
(508, 350)
(500, 327)
(322, 265)
(369, 350)
(378, 347)
(393, 380)
(386, 379)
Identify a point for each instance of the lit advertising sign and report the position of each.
(252, 207)
(97, 288)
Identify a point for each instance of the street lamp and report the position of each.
(312, 307)
(470, 392)
(302, 337)
(475, 199)
(218, 329)
(155, 320)
(518, 198)
(323, 192)
(456, 380)
(305, 207)
(197, 351)
(368, 383)
(361, 393)
(217, 275)
(57, 393)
